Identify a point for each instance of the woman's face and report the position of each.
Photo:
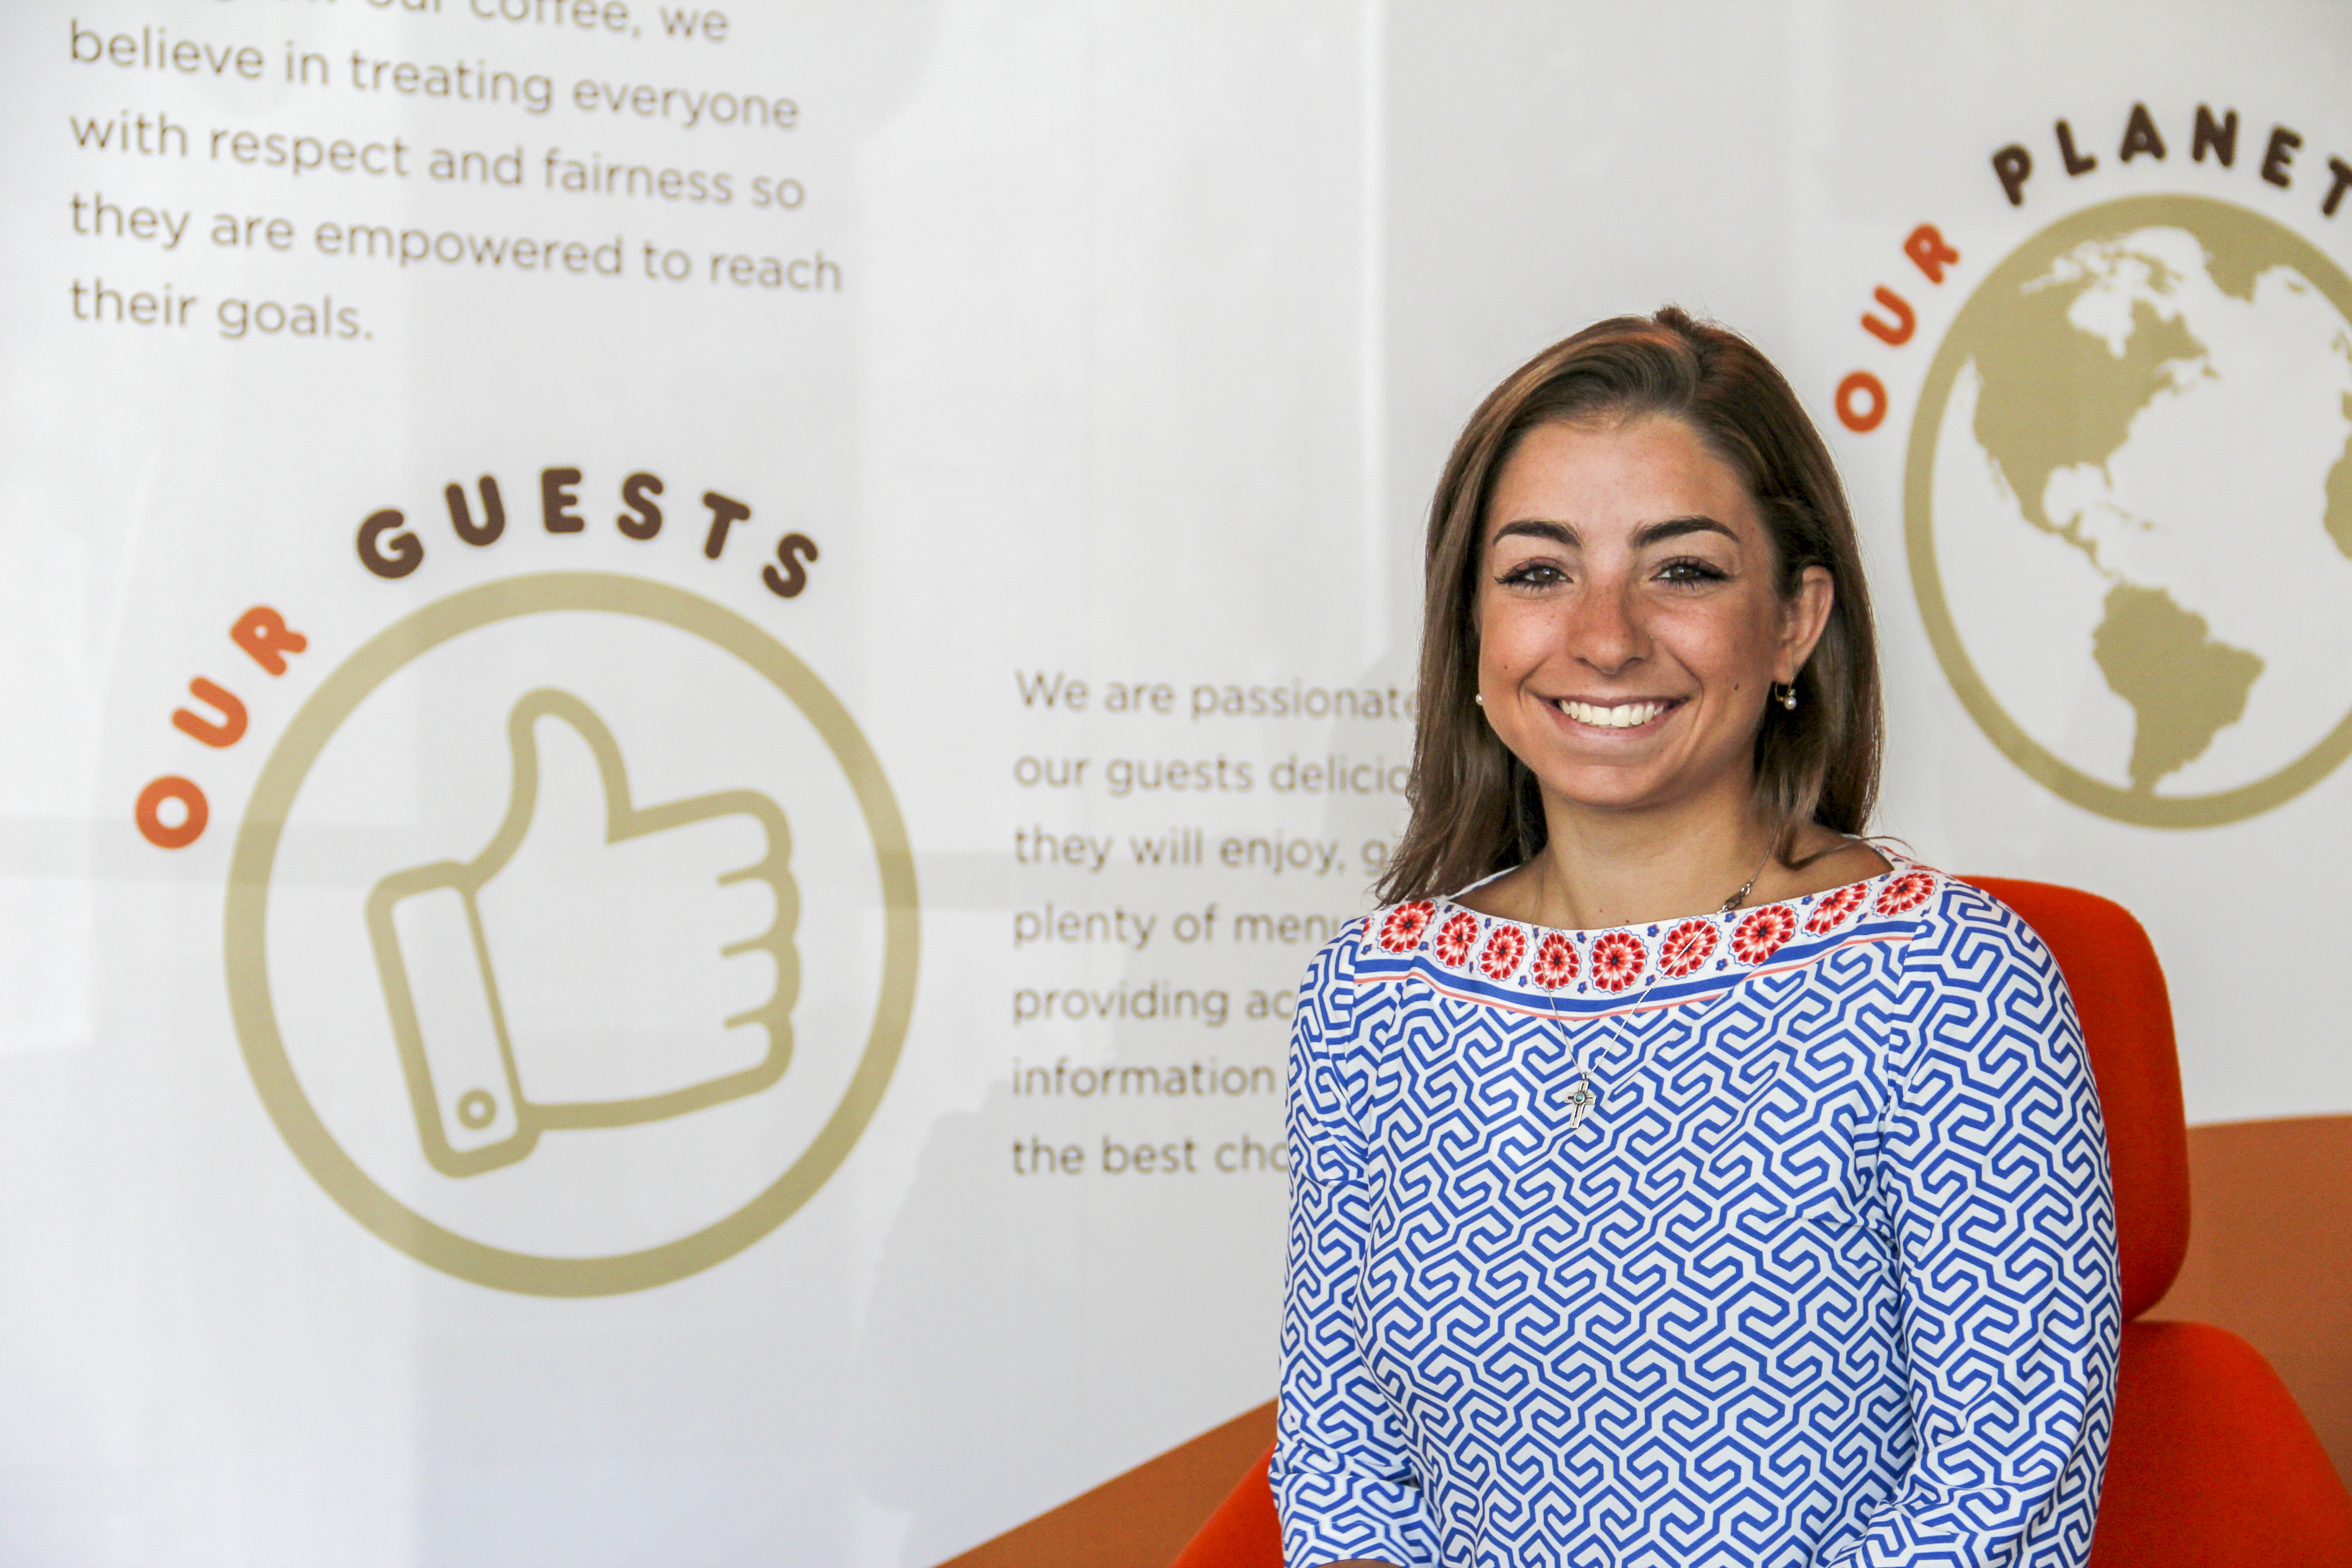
(1629, 626)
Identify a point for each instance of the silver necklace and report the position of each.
(1748, 885)
(1583, 1099)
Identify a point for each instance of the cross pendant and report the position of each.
(1579, 1101)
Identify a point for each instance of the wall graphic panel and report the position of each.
(688, 683)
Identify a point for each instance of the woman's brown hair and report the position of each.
(1477, 809)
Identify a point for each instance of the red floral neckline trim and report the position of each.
(1615, 960)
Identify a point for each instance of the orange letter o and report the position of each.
(170, 787)
(1862, 422)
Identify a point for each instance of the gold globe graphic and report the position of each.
(2128, 511)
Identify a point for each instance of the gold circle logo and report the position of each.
(531, 1000)
(2128, 511)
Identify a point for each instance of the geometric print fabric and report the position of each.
(1826, 1275)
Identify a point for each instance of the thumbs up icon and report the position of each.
(594, 966)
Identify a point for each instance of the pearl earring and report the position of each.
(1789, 697)
(1479, 698)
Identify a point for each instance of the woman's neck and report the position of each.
(1602, 867)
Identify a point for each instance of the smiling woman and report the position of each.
(1676, 1178)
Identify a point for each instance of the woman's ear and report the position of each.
(1804, 615)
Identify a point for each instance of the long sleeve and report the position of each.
(1343, 1479)
(1997, 1199)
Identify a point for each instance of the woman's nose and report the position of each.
(1604, 628)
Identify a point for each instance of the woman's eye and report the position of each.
(1533, 574)
(1690, 569)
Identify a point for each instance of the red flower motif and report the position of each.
(1905, 893)
(1454, 940)
(1831, 913)
(1685, 947)
(1403, 929)
(1618, 959)
(1555, 963)
(1499, 959)
(1763, 934)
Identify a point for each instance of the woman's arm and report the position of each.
(1343, 1480)
(1995, 1180)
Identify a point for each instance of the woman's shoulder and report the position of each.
(1962, 926)
(1375, 947)
(1338, 960)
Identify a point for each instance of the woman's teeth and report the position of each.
(1624, 716)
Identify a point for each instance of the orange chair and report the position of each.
(2211, 1464)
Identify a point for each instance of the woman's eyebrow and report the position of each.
(1650, 533)
(1559, 533)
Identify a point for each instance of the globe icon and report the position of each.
(2128, 509)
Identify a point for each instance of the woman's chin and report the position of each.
(1604, 787)
(1633, 784)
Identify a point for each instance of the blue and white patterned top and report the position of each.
(1827, 1274)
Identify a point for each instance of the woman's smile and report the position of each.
(1619, 714)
